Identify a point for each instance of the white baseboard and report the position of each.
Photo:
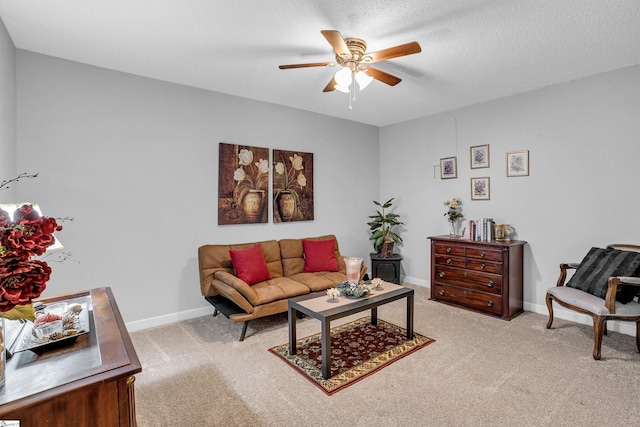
(169, 318)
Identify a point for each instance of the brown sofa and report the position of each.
(241, 302)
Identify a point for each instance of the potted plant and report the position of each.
(381, 226)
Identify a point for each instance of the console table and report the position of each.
(87, 383)
(481, 276)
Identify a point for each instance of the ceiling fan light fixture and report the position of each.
(341, 88)
(343, 77)
(363, 79)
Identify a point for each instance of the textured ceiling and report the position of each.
(472, 51)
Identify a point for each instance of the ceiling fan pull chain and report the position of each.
(350, 90)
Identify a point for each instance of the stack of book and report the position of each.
(481, 230)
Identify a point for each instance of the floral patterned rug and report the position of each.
(358, 349)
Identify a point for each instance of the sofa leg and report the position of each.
(244, 330)
(215, 311)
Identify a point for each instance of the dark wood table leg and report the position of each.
(374, 316)
(293, 316)
(410, 316)
(326, 349)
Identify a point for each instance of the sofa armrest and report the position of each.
(238, 284)
(612, 290)
(563, 271)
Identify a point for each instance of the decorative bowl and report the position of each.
(351, 290)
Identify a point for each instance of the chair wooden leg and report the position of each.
(550, 308)
(599, 324)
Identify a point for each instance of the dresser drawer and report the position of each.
(452, 249)
(489, 267)
(449, 260)
(469, 279)
(494, 255)
(489, 303)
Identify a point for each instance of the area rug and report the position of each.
(358, 349)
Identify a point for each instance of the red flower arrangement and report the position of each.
(23, 279)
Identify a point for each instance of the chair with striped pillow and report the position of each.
(605, 286)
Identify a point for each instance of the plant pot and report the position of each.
(385, 250)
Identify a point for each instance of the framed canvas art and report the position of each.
(243, 184)
(292, 186)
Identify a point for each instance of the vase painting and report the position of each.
(243, 184)
(292, 186)
(286, 205)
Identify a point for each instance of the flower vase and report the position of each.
(454, 229)
(286, 205)
(3, 354)
(253, 204)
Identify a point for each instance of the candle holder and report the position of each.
(354, 265)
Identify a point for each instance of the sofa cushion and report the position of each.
(598, 265)
(250, 265)
(319, 255)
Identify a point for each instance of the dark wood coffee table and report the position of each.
(317, 305)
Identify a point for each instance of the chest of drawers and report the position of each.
(481, 276)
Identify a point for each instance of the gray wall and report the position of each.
(7, 113)
(135, 162)
(584, 148)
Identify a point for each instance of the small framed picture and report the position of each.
(518, 163)
(480, 188)
(448, 168)
(480, 156)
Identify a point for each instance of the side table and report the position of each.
(387, 269)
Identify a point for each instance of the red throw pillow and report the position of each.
(250, 265)
(319, 255)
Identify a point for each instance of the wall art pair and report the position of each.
(243, 185)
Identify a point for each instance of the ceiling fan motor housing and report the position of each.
(357, 47)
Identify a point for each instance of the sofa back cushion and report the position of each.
(319, 255)
(212, 258)
(292, 254)
(250, 265)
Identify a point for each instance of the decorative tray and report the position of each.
(74, 324)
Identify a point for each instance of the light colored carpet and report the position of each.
(480, 371)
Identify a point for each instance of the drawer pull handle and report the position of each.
(442, 274)
(448, 260)
(490, 284)
(482, 254)
(441, 292)
(482, 266)
(448, 250)
(490, 303)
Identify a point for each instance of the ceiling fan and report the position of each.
(352, 57)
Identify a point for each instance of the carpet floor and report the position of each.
(481, 371)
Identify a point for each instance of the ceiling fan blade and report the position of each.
(382, 76)
(393, 52)
(336, 41)
(331, 86)
(310, 64)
